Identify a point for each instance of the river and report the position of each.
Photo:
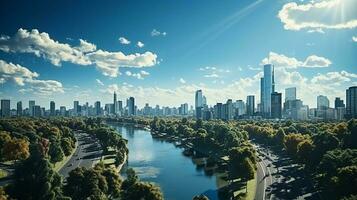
(161, 162)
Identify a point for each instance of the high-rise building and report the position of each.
(5, 108)
(229, 110)
(339, 103)
(322, 102)
(290, 94)
(52, 108)
(76, 110)
(97, 108)
(131, 106)
(62, 111)
(115, 102)
(351, 102)
(199, 104)
(291, 109)
(31, 104)
(19, 111)
(36, 111)
(250, 105)
(219, 111)
(276, 105)
(267, 88)
(239, 107)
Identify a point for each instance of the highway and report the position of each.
(86, 155)
(279, 177)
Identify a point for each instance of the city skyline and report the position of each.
(49, 60)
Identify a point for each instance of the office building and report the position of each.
(250, 105)
(322, 102)
(63, 111)
(290, 94)
(76, 110)
(19, 111)
(239, 108)
(31, 104)
(52, 108)
(267, 88)
(131, 106)
(36, 111)
(276, 105)
(115, 103)
(229, 110)
(351, 102)
(339, 103)
(5, 108)
(97, 108)
(199, 104)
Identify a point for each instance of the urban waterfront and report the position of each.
(161, 162)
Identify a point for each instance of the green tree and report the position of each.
(16, 149)
(55, 152)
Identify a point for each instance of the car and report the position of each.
(70, 165)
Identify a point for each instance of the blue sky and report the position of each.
(215, 46)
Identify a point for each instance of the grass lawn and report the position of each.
(252, 184)
(3, 173)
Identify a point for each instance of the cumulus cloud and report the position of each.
(140, 75)
(354, 38)
(155, 32)
(140, 44)
(213, 72)
(123, 40)
(41, 45)
(22, 76)
(280, 60)
(319, 15)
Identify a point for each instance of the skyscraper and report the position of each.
(199, 104)
(131, 106)
(229, 110)
(76, 108)
(97, 108)
(351, 102)
(5, 108)
(267, 88)
(276, 105)
(250, 105)
(52, 108)
(31, 104)
(115, 103)
(290, 94)
(19, 108)
(322, 102)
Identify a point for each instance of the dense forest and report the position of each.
(32, 146)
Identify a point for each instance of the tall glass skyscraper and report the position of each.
(267, 88)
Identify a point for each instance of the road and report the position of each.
(86, 155)
(278, 177)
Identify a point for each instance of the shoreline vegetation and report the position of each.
(29, 144)
(325, 152)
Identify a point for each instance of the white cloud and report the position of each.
(182, 81)
(213, 75)
(99, 82)
(319, 15)
(280, 60)
(140, 75)
(140, 44)
(155, 32)
(22, 76)
(354, 38)
(214, 72)
(123, 40)
(86, 53)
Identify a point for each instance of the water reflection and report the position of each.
(161, 162)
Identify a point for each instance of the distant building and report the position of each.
(339, 103)
(199, 104)
(291, 109)
(63, 111)
(19, 110)
(250, 105)
(52, 108)
(276, 105)
(5, 108)
(115, 103)
(351, 102)
(76, 109)
(322, 102)
(97, 108)
(290, 94)
(131, 106)
(229, 110)
(31, 104)
(36, 111)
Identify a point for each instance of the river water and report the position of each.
(161, 162)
